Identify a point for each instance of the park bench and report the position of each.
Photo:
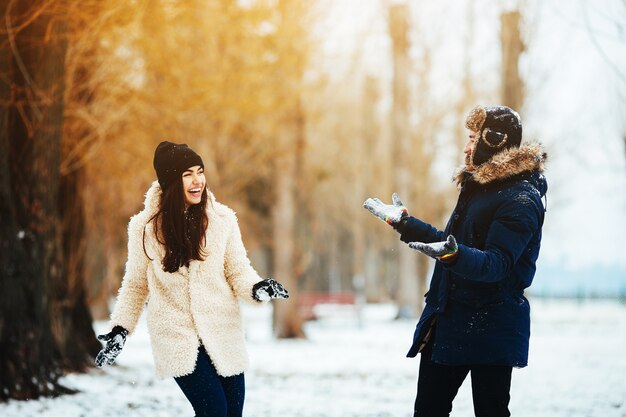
(312, 305)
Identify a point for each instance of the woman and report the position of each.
(187, 259)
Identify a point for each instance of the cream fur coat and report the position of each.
(194, 305)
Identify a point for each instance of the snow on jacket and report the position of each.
(194, 305)
(477, 304)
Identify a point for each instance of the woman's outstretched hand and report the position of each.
(268, 289)
(115, 340)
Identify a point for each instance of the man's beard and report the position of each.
(469, 167)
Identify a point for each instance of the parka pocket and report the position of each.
(476, 295)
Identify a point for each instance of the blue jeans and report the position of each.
(210, 394)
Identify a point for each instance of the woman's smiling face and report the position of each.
(193, 185)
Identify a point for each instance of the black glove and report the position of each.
(268, 289)
(445, 251)
(115, 340)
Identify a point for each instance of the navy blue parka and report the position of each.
(477, 304)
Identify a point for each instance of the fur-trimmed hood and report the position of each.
(528, 158)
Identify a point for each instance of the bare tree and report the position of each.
(407, 295)
(366, 137)
(287, 321)
(615, 23)
(290, 135)
(512, 47)
(30, 154)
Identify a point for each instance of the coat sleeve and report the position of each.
(237, 269)
(417, 230)
(515, 223)
(134, 290)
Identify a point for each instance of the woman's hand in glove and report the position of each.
(268, 289)
(115, 340)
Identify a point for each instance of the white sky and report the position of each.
(576, 106)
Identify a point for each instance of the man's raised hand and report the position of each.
(389, 213)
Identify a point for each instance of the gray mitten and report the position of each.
(268, 289)
(389, 213)
(115, 340)
(444, 251)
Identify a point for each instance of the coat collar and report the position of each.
(153, 197)
(215, 211)
(509, 163)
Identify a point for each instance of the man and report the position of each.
(476, 319)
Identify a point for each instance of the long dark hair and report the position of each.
(181, 232)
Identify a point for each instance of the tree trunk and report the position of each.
(70, 315)
(512, 47)
(467, 98)
(407, 296)
(371, 283)
(30, 151)
(287, 320)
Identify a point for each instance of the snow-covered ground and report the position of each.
(577, 368)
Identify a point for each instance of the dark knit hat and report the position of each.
(497, 129)
(171, 160)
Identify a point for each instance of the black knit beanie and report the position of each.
(497, 129)
(171, 160)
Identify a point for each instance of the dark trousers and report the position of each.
(210, 394)
(438, 384)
